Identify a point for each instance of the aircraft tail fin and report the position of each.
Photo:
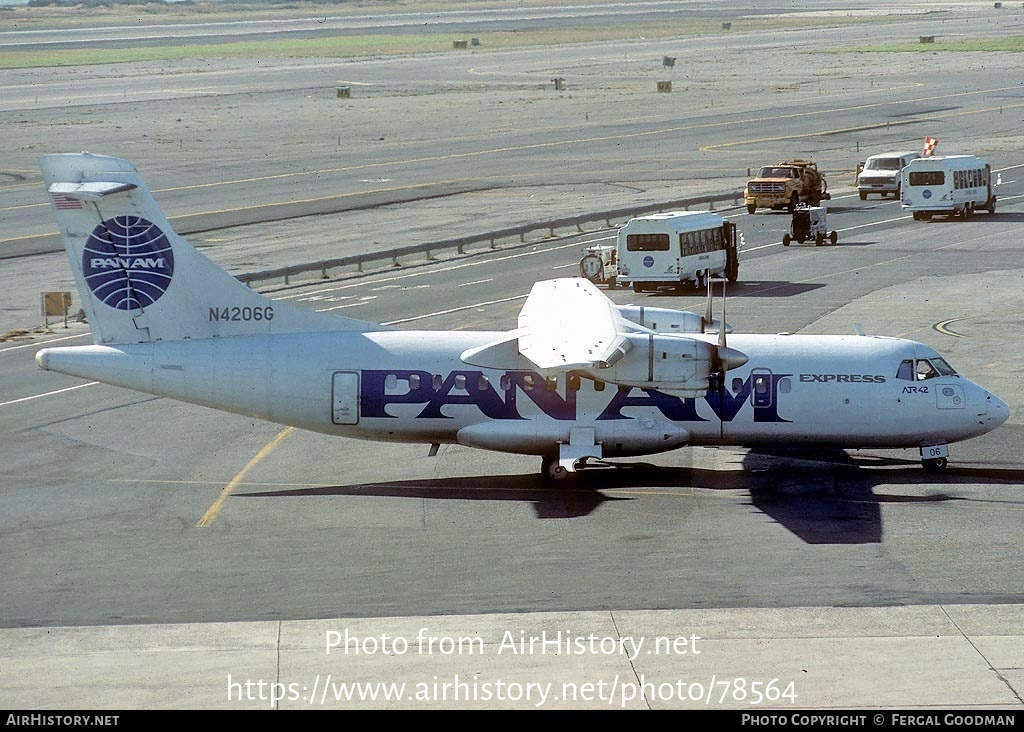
(140, 281)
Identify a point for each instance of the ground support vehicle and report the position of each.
(670, 249)
(786, 185)
(809, 224)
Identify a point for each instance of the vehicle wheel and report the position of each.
(700, 280)
(896, 193)
(637, 287)
(969, 210)
(833, 237)
(786, 240)
(918, 216)
(819, 239)
(864, 195)
(611, 283)
(794, 201)
(926, 216)
(935, 465)
(751, 208)
(733, 273)
(551, 470)
(992, 205)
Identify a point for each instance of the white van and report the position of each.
(882, 173)
(669, 249)
(952, 185)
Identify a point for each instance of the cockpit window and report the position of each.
(942, 367)
(924, 368)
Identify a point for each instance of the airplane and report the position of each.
(579, 380)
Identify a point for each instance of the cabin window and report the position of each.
(437, 382)
(528, 382)
(760, 385)
(460, 381)
(737, 385)
(482, 383)
(785, 386)
(598, 386)
(551, 383)
(391, 382)
(414, 382)
(573, 382)
(504, 382)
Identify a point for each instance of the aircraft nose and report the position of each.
(997, 412)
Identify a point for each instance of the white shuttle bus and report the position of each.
(669, 249)
(951, 185)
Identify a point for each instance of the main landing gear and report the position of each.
(551, 470)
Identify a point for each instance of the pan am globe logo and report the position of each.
(128, 262)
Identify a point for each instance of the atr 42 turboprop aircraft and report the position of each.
(579, 379)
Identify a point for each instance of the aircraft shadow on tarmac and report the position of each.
(821, 496)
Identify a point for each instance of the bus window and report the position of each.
(647, 242)
(927, 178)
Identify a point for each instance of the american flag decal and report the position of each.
(64, 202)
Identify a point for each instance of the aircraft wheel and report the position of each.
(551, 470)
(935, 465)
(786, 240)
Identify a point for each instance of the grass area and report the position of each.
(1010, 44)
(397, 44)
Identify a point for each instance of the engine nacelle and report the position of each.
(666, 320)
(655, 361)
(662, 320)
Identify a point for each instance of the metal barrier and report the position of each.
(357, 262)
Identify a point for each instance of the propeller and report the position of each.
(723, 358)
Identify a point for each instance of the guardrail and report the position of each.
(357, 261)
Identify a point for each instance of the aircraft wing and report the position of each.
(569, 323)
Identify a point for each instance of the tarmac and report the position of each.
(929, 658)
